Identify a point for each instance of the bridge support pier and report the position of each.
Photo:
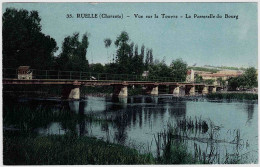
(174, 89)
(205, 90)
(211, 89)
(152, 90)
(120, 91)
(190, 90)
(214, 89)
(71, 92)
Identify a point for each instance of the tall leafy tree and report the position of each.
(250, 77)
(147, 59)
(179, 70)
(23, 41)
(97, 68)
(142, 51)
(107, 42)
(137, 62)
(123, 52)
(73, 55)
(235, 82)
(159, 70)
(136, 50)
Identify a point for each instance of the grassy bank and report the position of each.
(64, 150)
(235, 96)
(24, 147)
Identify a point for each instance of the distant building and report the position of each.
(190, 76)
(226, 74)
(24, 72)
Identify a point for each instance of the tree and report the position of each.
(142, 52)
(248, 80)
(159, 70)
(179, 70)
(131, 54)
(147, 59)
(128, 60)
(23, 41)
(138, 65)
(151, 56)
(234, 83)
(111, 68)
(97, 68)
(250, 77)
(107, 42)
(123, 52)
(73, 55)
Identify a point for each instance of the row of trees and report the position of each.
(25, 45)
(247, 80)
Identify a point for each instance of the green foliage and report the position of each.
(123, 51)
(250, 77)
(97, 68)
(221, 81)
(24, 43)
(159, 70)
(73, 55)
(232, 68)
(204, 69)
(149, 58)
(179, 70)
(137, 66)
(128, 61)
(247, 80)
(198, 79)
(209, 81)
(176, 153)
(107, 42)
(68, 150)
(235, 82)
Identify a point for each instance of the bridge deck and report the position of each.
(92, 82)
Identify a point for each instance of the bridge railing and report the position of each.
(10, 73)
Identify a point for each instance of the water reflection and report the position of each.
(178, 110)
(250, 111)
(74, 106)
(138, 118)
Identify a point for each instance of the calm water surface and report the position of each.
(139, 118)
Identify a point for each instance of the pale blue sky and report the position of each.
(227, 42)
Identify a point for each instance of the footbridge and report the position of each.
(72, 81)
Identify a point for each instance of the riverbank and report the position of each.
(233, 96)
(68, 150)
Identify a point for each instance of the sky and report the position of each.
(218, 42)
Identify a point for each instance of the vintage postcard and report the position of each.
(89, 83)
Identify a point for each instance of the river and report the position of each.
(232, 125)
